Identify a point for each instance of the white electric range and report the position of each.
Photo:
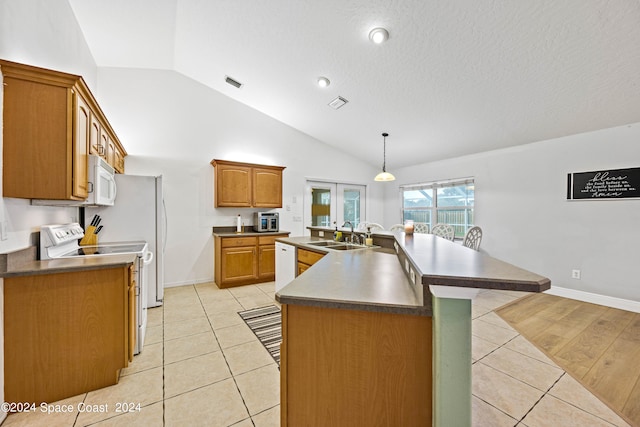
(61, 241)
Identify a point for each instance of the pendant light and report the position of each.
(384, 175)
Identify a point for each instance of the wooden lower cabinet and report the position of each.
(66, 333)
(306, 259)
(244, 260)
(354, 368)
(239, 264)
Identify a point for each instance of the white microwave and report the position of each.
(102, 182)
(101, 186)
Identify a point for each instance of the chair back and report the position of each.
(373, 226)
(397, 227)
(443, 230)
(421, 227)
(472, 238)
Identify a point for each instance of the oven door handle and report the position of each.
(148, 257)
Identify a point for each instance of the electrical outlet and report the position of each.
(575, 274)
(320, 233)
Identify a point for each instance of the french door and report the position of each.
(331, 204)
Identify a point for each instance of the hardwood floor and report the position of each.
(597, 345)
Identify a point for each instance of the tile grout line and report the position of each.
(224, 356)
(164, 421)
(542, 397)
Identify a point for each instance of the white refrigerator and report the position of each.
(139, 213)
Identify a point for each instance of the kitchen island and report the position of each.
(383, 336)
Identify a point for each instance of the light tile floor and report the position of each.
(202, 366)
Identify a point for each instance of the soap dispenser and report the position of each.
(368, 239)
(337, 235)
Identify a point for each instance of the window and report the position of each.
(330, 202)
(449, 202)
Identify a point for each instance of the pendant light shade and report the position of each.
(384, 175)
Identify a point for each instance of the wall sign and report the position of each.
(604, 184)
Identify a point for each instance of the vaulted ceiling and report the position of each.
(454, 77)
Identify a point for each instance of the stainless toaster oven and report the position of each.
(266, 221)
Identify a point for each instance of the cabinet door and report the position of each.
(302, 268)
(94, 136)
(80, 148)
(104, 143)
(111, 152)
(267, 188)
(233, 186)
(239, 264)
(267, 261)
(119, 160)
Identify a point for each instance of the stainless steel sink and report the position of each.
(338, 246)
(345, 247)
(324, 243)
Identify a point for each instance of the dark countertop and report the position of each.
(24, 263)
(442, 262)
(374, 279)
(364, 279)
(231, 232)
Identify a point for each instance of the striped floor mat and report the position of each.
(266, 323)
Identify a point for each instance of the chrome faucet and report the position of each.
(350, 225)
(353, 238)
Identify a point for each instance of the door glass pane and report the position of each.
(352, 206)
(320, 207)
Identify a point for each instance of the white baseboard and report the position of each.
(622, 304)
(188, 282)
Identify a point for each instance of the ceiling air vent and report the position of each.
(232, 82)
(337, 103)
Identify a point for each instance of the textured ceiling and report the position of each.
(454, 78)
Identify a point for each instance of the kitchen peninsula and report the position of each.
(382, 336)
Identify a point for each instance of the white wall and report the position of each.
(522, 208)
(174, 126)
(46, 34)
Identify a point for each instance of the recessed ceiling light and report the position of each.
(323, 82)
(378, 35)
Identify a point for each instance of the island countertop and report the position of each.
(379, 280)
(365, 279)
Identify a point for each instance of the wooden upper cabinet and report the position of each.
(51, 123)
(247, 185)
(119, 159)
(80, 148)
(95, 133)
(233, 185)
(267, 187)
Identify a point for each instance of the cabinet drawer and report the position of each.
(236, 242)
(270, 240)
(309, 257)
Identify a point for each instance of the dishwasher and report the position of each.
(285, 264)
